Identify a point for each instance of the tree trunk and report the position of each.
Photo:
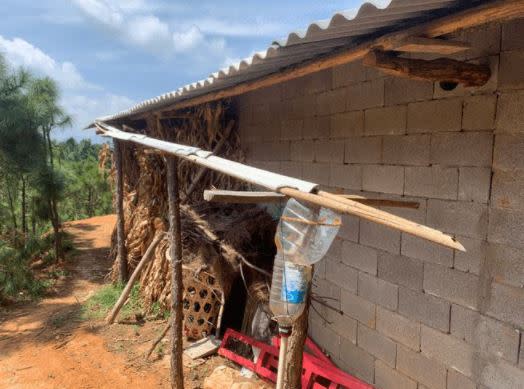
(120, 224)
(295, 350)
(12, 208)
(33, 217)
(55, 221)
(24, 207)
(177, 372)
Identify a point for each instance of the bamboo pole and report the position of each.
(175, 238)
(120, 223)
(148, 255)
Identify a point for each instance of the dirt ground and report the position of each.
(47, 345)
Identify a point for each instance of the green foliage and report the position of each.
(99, 305)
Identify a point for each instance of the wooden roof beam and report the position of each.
(431, 46)
(439, 70)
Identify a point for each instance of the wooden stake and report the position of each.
(442, 69)
(127, 290)
(428, 45)
(175, 238)
(120, 223)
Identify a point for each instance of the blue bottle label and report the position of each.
(294, 284)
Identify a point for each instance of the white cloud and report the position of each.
(19, 52)
(80, 99)
(233, 28)
(134, 23)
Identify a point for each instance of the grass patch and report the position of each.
(100, 303)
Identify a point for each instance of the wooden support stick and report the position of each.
(442, 69)
(157, 340)
(148, 255)
(175, 238)
(203, 170)
(248, 197)
(351, 207)
(120, 223)
(428, 45)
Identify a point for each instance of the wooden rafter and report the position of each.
(431, 45)
(442, 69)
(486, 13)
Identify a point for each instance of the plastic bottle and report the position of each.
(305, 233)
(289, 290)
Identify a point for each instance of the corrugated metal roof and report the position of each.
(372, 18)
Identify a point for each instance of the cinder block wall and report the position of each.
(415, 314)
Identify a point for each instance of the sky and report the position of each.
(107, 55)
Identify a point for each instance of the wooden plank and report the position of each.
(202, 348)
(428, 45)
(442, 69)
(246, 197)
(120, 222)
(486, 13)
(347, 206)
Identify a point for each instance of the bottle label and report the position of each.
(294, 284)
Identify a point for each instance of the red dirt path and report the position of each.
(44, 345)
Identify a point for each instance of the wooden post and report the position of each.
(120, 223)
(175, 240)
(295, 351)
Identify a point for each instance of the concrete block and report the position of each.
(474, 184)
(385, 179)
(331, 101)
(508, 189)
(292, 129)
(459, 381)
(363, 149)
(505, 227)
(342, 275)
(377, 345)
(415, 247)
(378, 291)
(400, 270)
(302, 151)
(452, 285)
(380, 237)
(301, 106)
(266, 165)
(388, 378)
(327, 289)
(325, 336)
(344, 125)
(359, 257)
(424, 370)
(513, 35)
(511, 74)
(507, 304)
(294, 88)
(498, 374)
(462, 149)
(427, 309)
(316, 172)
(479, 112)
(347, 74)
(358, 308)
(485, 38)
(317, 127)
(510, 116)
(385, 121)
(433, 182)
(471, 260)
(357, 361)
(468, 219)
(449, 351)
(398, 328)
(487, 335)
(435, 115)
(404, 90)
(365, 95)
(407, 150)
(509, 152)
(329, 151)
(343, 325)
(291, 168)
(345, 176)
(318, 82)
(350, 228)
(506, 264)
